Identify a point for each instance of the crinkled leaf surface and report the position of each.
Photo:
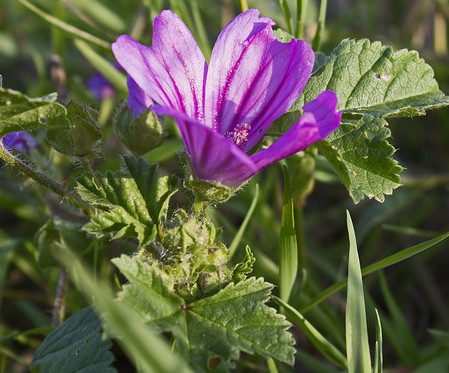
(21, 113)
(213, 330)
(75, 346)
(370, 78)
(361, 155)
(130, 202)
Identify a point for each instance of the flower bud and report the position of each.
(141, 134)
(82, 135)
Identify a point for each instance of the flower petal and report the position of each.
(213, 157)
(320, 118)
(21, 141)
(252, 77)
(170, 72)
(138, 101)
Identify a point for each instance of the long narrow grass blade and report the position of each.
(321, 22)
(116, 78)
(71, 30)
(148, 350)
(357, 346)
(238, 236)
(203, 40)
(381, 264)
(314, 336)
(288, 250)
(378, 355)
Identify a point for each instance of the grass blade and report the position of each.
(71, 30)
(238, 236)
(314, 336)
(357, 347)
(381, 264)
(378, 357)
(288, 254)
(116, 78)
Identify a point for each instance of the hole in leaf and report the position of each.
(77, 352)
(214, 362)
(377, 76)
(42, 120)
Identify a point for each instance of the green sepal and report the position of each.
(210, 191)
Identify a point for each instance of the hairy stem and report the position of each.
(44, 180)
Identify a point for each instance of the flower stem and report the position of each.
(301, 10)
(244, 5)
(44, 180)
(321, 21)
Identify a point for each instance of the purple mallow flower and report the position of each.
(21, 141)
(224, 109)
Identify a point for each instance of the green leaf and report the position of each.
(357, 347)
(22, 113)
(370, 79)
(156, 190)
(288, 246)
(74, 346)
(129, 203)
(314, 336)
(149, 351)
(361, 155)
(210, 332)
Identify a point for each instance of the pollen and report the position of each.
(239, 135)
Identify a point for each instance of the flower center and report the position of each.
(239, 135)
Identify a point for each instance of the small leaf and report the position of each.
(212, 330)
(358, 355)
(370, 79)
(22, 113)
(76, 345)
(129, 203)
(361, 155)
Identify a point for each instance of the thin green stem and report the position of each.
(244, 5)
(287, 15)
(44, 180)
(321, 22)
(65, 26)
(301, 10)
